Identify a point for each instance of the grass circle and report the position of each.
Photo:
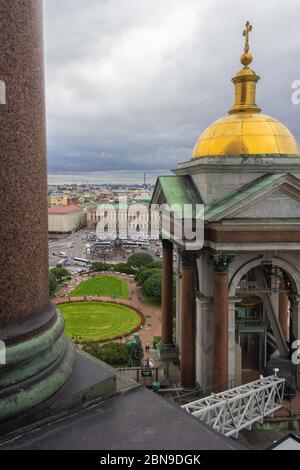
(98, 321)
(104, 286)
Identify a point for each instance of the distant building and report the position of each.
(62, 200)
(63, 220)
(134, 220)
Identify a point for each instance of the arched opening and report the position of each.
(251, 335)
(264, 330)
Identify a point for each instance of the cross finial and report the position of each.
(247, 30)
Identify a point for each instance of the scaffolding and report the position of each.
(239, 408)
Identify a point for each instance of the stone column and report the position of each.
(167, 294)
(221, 322)
(295, 333)
(178, 304)
(283, 309)
(188, 321)
(39, 359)
(232, 346)
(204, 333)
(166, 348)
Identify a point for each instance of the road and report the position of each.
(75, 247)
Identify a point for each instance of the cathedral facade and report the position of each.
(238, 296)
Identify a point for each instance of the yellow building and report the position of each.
(61, 201)
(67, 219)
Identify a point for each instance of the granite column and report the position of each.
(39, 358)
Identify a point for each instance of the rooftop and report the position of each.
(137, 420)
(64, 210)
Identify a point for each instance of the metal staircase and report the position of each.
(233, 410)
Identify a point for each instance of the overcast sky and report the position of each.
(131, 84)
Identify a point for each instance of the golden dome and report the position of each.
(245, 131)
(246, 134)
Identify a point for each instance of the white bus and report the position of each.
(62, 254)
(82, 261)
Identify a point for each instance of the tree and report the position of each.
(123, 268)
(153, 286)
(154, 265)
(145, 273)
(138, 260)
(112, 353)
(52, 283)
(99, 266)
(60, 273)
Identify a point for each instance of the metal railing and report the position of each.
(139, 373)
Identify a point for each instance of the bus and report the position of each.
(103, 244)
(82, 261)
(62, 254)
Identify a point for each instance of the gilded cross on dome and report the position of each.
(247, 30)
(246, 58)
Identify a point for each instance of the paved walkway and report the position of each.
(152, 326)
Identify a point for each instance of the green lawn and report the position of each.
(105, 286)
(98, 321)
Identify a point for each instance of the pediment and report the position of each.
(277, 205)
(271, 197)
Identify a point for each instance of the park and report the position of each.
(98, 321)
(106, 306)
(102, 286)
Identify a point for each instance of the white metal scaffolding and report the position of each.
(233, 410)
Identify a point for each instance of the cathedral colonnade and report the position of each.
(188, 322)
(187, 297)
(217, 337)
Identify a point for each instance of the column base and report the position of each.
(35, 370)
(167, 352)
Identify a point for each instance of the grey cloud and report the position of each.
(131, 84)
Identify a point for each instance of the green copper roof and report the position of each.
(144, 202)
(178, 190)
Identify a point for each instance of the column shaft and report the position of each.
(167, 294)
(283, 301)
(220, 313)
(39, 358)
(188, 323)
(24, 294)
